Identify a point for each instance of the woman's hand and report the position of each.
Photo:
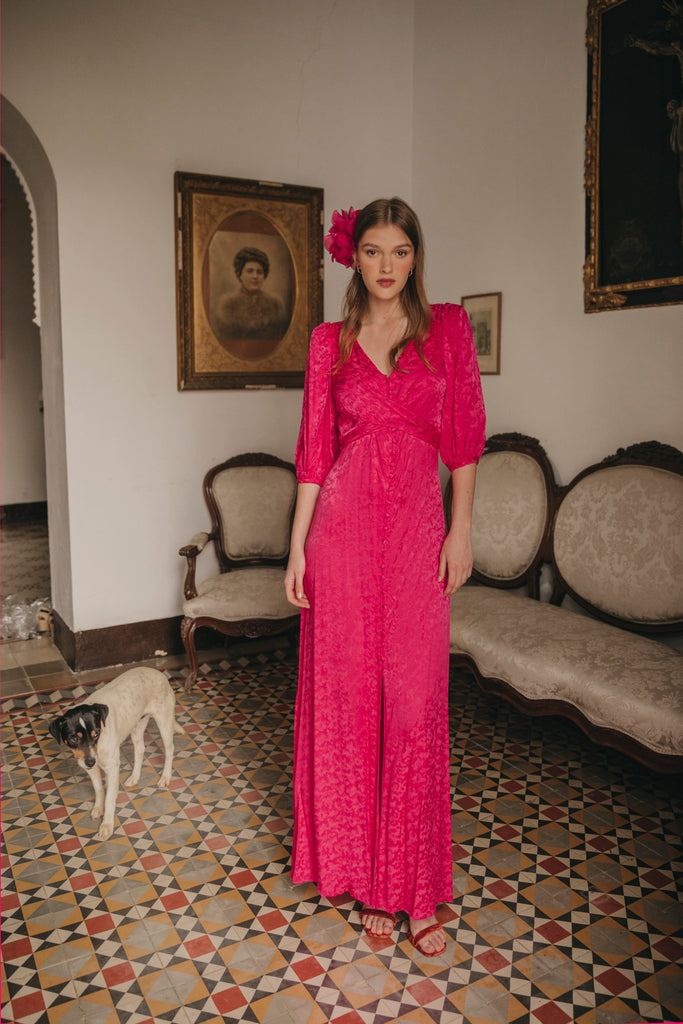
(294, 580)
(456, 553)
(306, 500)
(455, 561)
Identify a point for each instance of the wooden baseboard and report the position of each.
(24, 512)
(63, 638)
(117, 645)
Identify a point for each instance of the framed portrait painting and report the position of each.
(484, 312)
(249, 259)
(634, 154)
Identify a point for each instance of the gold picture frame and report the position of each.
(634, 155)
(249, 280)
(484, 311)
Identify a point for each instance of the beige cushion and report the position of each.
(618, 542)
(199, 541)
(616, 679)
(509, 515)
(256, 504)
(257, 593)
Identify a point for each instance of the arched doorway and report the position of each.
(25, 552)
(23, 149)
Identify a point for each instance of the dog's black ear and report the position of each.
(56, 728)
(102, 710)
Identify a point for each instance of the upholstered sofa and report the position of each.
(613, 539)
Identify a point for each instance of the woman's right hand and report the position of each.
(294, 580)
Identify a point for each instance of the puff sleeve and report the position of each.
(318, 443)
(463, 423)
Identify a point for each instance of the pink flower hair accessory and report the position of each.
(339, 242)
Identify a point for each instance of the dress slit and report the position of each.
(379, 775)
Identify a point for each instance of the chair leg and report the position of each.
(187, 628)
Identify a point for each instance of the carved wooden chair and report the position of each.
(251, 502)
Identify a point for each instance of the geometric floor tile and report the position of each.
(566, 867)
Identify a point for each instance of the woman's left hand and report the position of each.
(455, 561)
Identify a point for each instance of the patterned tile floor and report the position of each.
(566, 863)
(36, 665)
(31, 666)
(25, 571)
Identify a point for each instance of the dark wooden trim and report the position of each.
(24, 512)
(116, 645)
(64, 638)
(665, 763)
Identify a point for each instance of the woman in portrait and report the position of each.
(251, 313)
(372, 568)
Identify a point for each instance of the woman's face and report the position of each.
(385, 257)
(252, 276)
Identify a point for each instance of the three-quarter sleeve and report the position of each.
(463, 424)
(318, 443)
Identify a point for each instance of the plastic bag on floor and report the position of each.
(23, 620)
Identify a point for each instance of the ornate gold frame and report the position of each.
(292, 217)
(599, 294)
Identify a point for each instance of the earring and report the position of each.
(410, 272)
(359, 271)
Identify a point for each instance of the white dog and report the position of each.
(95, 732)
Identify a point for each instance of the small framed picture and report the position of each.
(484, 313)
(249, 281)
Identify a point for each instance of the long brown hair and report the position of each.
(413, 297)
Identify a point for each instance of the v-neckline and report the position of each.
(387, 376)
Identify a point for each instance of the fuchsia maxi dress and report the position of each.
(372, 806)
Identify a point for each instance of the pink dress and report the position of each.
(372, 808)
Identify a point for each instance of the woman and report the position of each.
(386, 389)
(251, 314)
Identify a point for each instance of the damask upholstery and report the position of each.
(618, 542)
(255, 506)
(509, 515)
(614, 540)
(241, 594)
(615, 679)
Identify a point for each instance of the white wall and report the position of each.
(500, 103)
(121, 96)
(23, 443)
(473, 109)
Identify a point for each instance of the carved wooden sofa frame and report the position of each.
(612, 537)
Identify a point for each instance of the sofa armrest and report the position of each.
(190, 552)
(196, 545)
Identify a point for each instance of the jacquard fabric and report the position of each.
(618, 542)
(256, 593)
(256, 504)
(509, 514)
(618, 680)
(371, 780)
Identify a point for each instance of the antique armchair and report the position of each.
(251, 502)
